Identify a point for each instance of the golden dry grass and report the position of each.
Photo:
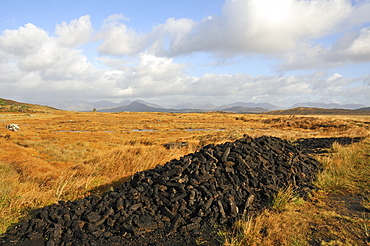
(60, 155)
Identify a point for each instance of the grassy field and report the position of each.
(60, 155)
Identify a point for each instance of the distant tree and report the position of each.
(94, 110)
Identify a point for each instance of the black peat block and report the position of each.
(215, 185)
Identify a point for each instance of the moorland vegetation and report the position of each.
(64, 155)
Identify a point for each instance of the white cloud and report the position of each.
(285, 90)
(35, 64)
(285, 29)
(115, 18)
(121, 40)
(360, 13)
(245, 27)
(154, 76)
(169, 34)
(289, 30)
(352, 47)
(34, 51)
(265, 26)
(24, 41)
(47, 70)
(355, 49)
(118, 38)
(75, 33)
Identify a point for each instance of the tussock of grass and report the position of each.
(281, 199)
(343, 168)
(244, 232)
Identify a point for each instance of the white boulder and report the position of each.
(13, 127)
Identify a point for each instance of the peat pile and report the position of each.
(323, 145)
(215, 185)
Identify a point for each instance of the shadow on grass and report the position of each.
(98, 190)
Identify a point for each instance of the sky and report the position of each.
(186, 51)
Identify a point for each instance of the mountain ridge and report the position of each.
(139, 106)
(326, 105)
(236, 107)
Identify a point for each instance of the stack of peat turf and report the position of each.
(215, 185)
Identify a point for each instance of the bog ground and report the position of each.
(60, 155)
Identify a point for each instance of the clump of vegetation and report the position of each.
(244, 232)
(281, 199)
(344, 169)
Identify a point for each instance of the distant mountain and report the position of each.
(109, 104)
(133, 107)
(239, 109)
(364, 109)
(327, 105)
(72, 105)
(148, 104)
(227, 107)
(137, 106)
(318, 111)
(255, 105)
(81, 105)
(207, 106)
